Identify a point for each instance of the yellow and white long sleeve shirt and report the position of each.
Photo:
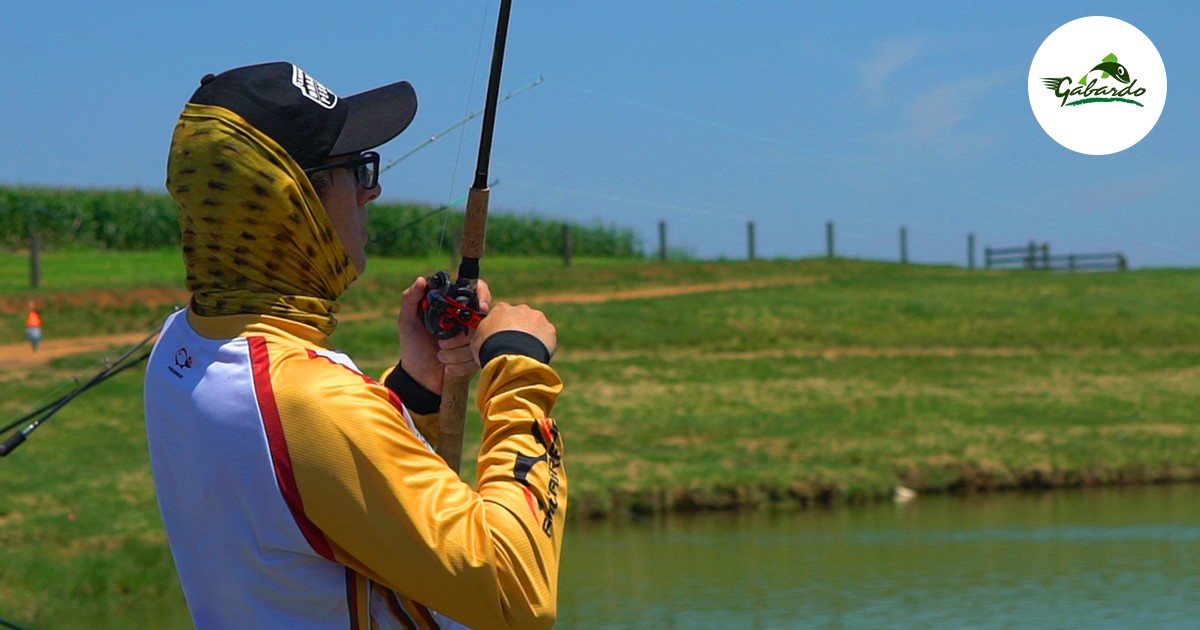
(299, 493)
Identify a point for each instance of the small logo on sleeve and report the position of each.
(543, 500)
(183, 361)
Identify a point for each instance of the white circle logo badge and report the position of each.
(1097, 85)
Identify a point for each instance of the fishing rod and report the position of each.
(39, 416)
(437, 136)
(8, 624)
(448, 309)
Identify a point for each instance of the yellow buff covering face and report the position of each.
(256, 238)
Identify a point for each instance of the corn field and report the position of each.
(139, 220)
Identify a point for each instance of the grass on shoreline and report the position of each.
(832, 390)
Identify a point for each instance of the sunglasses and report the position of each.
(365, 167)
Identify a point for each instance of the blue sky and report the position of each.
(702, 114)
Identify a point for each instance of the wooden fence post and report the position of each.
(829, 239)
(903, 245)
(750, 238)
(662, 241)
(1031, 259)
(970, 250)
(987, 257)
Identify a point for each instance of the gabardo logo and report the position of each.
(1088, 91)
(1086, 97)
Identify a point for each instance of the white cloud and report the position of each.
(889, 58)
(944, 120)
(930, 113)
(946, 105)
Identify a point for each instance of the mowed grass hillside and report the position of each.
(837, 381)
(690, 386)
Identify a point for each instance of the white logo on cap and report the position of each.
(313, 89)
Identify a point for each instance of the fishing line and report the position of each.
(679, 115)
(452, 204)
(462, 133)
(439, 135)
(931, 185)
(629, 200)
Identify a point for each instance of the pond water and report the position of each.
(1104, 558)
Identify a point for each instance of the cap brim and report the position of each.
(375, 117)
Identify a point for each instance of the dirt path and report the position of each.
(17, 357)
(657, 292)
(21, 356)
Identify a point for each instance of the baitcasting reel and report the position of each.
(449, 308)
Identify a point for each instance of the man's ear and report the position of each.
(322, 181)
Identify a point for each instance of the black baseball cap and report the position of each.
(306, 118)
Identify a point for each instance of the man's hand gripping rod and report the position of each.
(450, 308)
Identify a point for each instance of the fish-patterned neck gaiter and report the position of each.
(256, 238)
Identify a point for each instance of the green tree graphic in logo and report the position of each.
(1089, 92)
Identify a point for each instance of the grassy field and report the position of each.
(815, 382)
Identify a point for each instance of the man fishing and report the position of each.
(296, 491)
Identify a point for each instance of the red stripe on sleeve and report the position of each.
(260, 361)
(532, 505)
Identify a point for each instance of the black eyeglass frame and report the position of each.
(359, 165)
